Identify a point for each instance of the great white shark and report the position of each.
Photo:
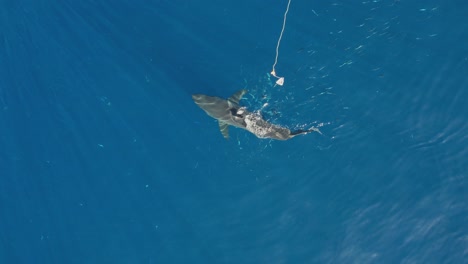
(230, 113)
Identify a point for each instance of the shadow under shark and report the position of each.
(229, 112)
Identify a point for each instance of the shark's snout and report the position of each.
(201, 99)
(196, 97)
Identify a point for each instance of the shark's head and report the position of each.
(215, 107)
(226, 111)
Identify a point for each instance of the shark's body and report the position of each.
(229, 112)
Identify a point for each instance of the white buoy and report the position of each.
(280, 81)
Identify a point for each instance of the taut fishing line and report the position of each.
(280, 80)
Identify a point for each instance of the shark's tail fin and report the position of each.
(315, 129)
(304, 131)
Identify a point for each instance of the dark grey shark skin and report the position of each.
(229, 112)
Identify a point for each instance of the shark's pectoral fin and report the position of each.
(235, 98)
(224, 128)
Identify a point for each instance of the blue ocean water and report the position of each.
(104, 157)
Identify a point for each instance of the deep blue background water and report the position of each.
(104, 158)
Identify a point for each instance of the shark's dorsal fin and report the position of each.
(235, 98)
(224, 128)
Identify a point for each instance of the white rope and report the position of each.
(273, 71)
